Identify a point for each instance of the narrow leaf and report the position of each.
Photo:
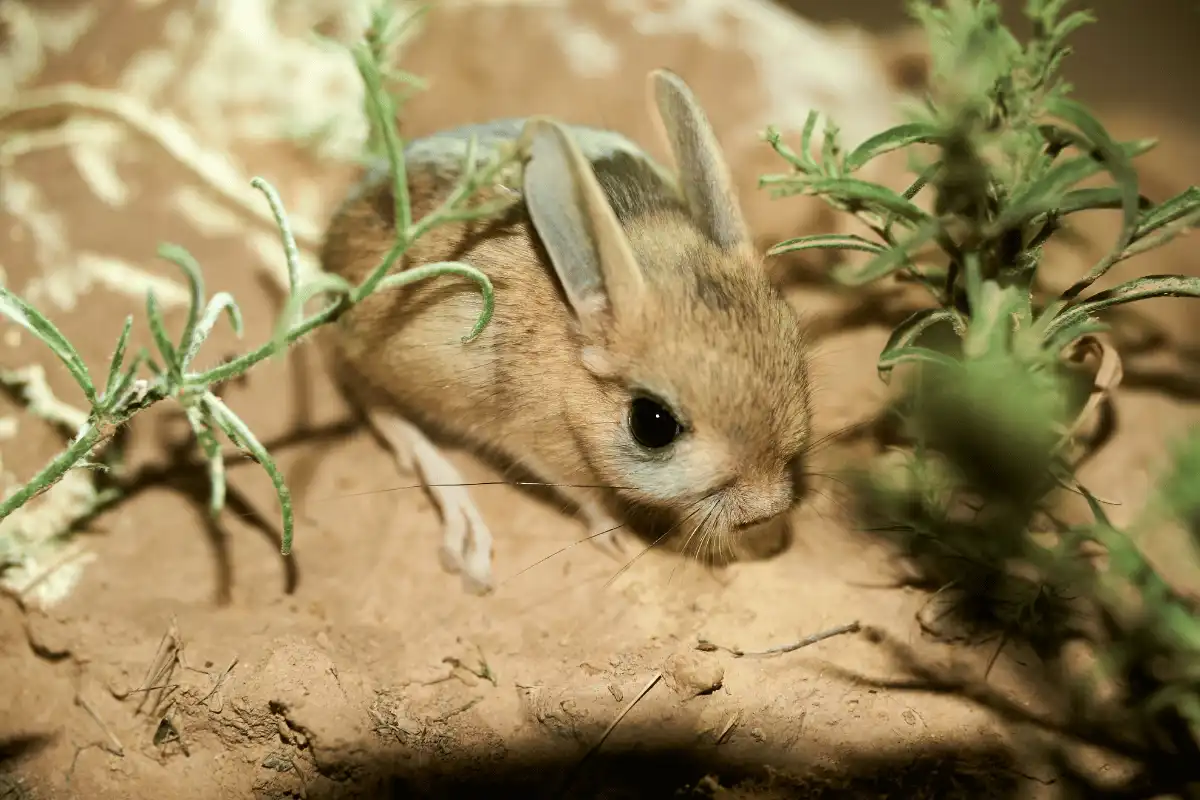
(1143, 288)
(121, 392)
(902, 355)
(202, 426)
(773, 137)
(240, 433)
(221, 302)
(382, 110)
(1044, 194)
(1118, 165)
(1068, 136)
(1103, 197)
(907, 333)
(158, 329)
(1138, 147)
(440, 268)
(290, 252)
(1181, 205)
(912, 191)
(886, 262)
(827, 241)
(990, 328)
(830, 150)
(806, 135)
(892, 139)
(853, 190)
(322, 282)
(36, 323)
(1161, 236)
(1064, 337)
(191, 270)
(116, 362)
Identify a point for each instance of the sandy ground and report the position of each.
(359, 668)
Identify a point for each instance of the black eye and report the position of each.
(652, 425)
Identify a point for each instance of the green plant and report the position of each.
(132, 385)
(992, 407)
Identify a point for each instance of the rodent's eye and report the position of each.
(652, 425)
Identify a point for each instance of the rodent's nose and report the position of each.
(765, 504)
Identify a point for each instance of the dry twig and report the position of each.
(708, 647)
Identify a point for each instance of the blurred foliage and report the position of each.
(991, 408)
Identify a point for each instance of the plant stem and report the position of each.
(89, 436)
(243, 363)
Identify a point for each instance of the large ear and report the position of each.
(704, 176)
(586, 243)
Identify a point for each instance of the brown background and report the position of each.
(341, 679)
(1139, 52)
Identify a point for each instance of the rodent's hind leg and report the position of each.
(466, 541)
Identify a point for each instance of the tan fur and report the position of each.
(706, 333)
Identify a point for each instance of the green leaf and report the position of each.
(384, 29)
(36, 323)
(973, 269)
(773, 137)
(239, 433)
(990, 328)
(853, 190)
(830, 150)
(1104, 197)
(1161, 236)
(1063, 337)
(115, 363)
(1137, 147)
(887, 262)
(806, 135)
(1047, 192)
(1182, 205)
(191, 270)
(290, 252)
(382, 116)
(1115, 158)
(202, 426)
(1074, 21)
(158, 329)
(118, 395)
(322, 282)
(903, 355)
(1058, 137)
(922, 180)
(827, 241)
(1143, 288)
(221, 302)
(892, 139)
(1072, 202)
(1118, 165)
(907, 333)
(440, 268)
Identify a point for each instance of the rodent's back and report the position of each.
(406, 343)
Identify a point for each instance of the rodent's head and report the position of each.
(703, 403)
(700, 406)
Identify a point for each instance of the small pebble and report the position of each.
(691, 674)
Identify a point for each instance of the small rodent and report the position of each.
(639, 357)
